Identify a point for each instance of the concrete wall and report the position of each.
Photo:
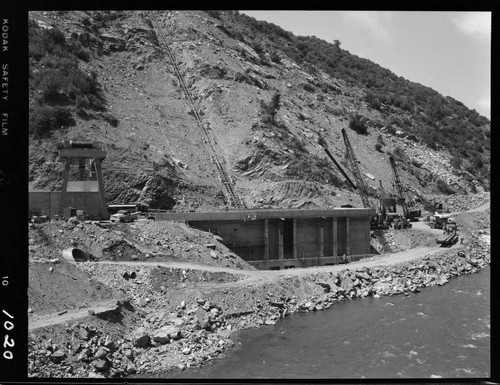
(307, 237)
(293, 242)
(49, 201)
(359, 236)
(341, 236)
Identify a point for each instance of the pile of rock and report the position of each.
(88, 352)
(135, 282)
(391, 280)
(462, 202)
(190, 333)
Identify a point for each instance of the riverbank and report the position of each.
(170, 318)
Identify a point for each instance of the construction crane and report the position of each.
(322, 143)
(383, 199)
(353, 163)
(399, 186)
(410, 214)
(376, 222)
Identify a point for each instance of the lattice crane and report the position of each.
(399, 186)
(353, 163)
(323, 144)
(383, 198)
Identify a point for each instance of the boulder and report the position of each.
(347, 284)
(131, 368)
(100, 364)
(214, 311)
(171, 331)
(279, 305)
(128, 353)
(161, 336)
(110, 344)
(84, 334)
(142, 338)
(101, 353)
(141, 302)
(325, 286)
(58, 356)
(202, 318)
(364, 275)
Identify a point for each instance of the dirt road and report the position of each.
(69, 315)
(479, 208)
(249, 277)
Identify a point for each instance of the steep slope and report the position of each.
(250, 103)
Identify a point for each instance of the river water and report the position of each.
(440, 332)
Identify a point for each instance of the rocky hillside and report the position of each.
(251, 100)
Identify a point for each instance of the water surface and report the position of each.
(440, 332)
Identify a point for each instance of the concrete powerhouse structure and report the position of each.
(86, 193)
(275, 239)
(49, 202)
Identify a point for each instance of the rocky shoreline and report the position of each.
(144, 337)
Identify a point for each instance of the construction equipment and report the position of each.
(410, 214)
(383, 199)
(376, 222)
(353, 163)
(339, 167)
(441, 221)
(387, 204)
(440, 208)
(427, 204)
(388, 211)
(448, 238)
(123, 216)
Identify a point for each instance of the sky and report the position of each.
(447, 51)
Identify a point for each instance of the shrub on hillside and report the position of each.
(45, 119)
(357, 125)
(79, 51)
(399, 152)
(214, 14)
(60, 82)
(269, 110)
(275, 58)
(257, 47)
(443, 187)
(50, 86)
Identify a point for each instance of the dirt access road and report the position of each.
(249, 277)
(476, 209)
(70, 315)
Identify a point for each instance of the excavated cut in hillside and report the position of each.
(198, 110)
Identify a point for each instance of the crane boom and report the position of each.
(383, 198)
(399, 185)
(353, 162)
(340, 168)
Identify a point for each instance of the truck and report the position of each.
(441, 221)
(123, 216)
(448, 238)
